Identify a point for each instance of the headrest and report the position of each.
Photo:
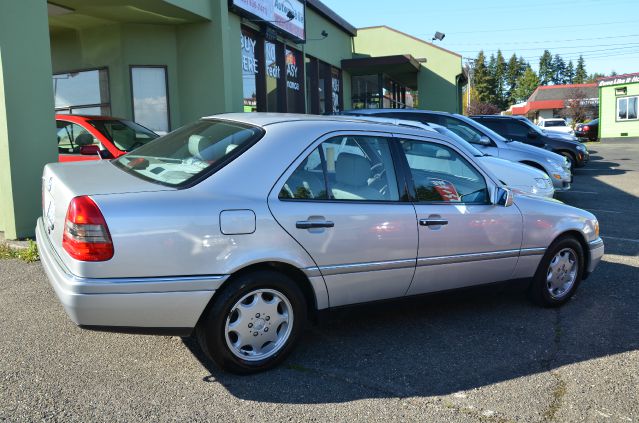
(351, 169)
(84, 139)
(196, 145)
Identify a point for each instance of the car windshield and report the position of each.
(458, 140)
(195, 150)
(550, 123)
(124, 134)
(478, 126)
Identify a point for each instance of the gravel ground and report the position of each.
(480, 355)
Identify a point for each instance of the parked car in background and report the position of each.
(197, 232)
(556, 125)
(485, 140)
(519, 128)
(517, 176)
(84, 137)
(588, 131)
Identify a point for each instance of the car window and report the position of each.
(124, 134)
(549, 123)
(200, 148)
(462, 129)
(517, 129)
(71, 137)
(356, 168)
(440, 174)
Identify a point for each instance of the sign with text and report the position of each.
(276, 13)
(620, 80)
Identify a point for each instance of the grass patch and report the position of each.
(29, 254)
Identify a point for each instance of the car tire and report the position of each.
(253, 323)
(571, 159)
(559, 273)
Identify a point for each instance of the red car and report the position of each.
(83, 137)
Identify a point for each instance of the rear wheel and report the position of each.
(558, 274)
(253, 323)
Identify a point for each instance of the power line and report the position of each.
(544, 27)
(571, 47)
(554, 41)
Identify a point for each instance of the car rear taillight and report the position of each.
(585, 128)
(86, 235)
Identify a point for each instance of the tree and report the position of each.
(479, 108)
(500, 81)
(559, 70)
(482, 80)
(578, 107)
(580, 71)
(526, 85)
(570, 73)
(514, 70)
(546, 71)
(593, 77)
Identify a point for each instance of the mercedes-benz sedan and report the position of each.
(240, 227)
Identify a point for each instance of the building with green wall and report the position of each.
(619, 106)
(164, 63)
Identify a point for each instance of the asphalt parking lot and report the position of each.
(480, 355)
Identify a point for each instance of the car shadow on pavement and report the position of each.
(446, 343)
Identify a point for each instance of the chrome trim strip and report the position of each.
(597, 243)
(463, 258)
(532, 251)
(359, 267)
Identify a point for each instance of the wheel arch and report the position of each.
(534, 164)
(573, 233)
(286, 268)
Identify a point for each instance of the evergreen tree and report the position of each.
(580, 71)
(593, 77)
(514, 70)
(483, 82)
(500, 81)
(559, 70)
(526, 85)
(546, 71)
(570, 73)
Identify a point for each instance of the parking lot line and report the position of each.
(620, 239)
(581, 192)
(604, 211)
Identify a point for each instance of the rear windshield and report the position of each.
(190, 153)
(554, 123)
(124, 134)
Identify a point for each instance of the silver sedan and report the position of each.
(241, 227)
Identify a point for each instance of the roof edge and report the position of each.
(329, 14)
(410, 36)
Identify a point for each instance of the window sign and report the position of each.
(273, 76)
(276, 13)
(335, 85)
(250, 70)
(294, 82)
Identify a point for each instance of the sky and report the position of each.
(605, 32)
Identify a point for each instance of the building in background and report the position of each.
(391, 69)
(619, 106)
(164, 63)
(553, 101)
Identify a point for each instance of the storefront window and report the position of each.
(336, 89)
(627, 108)
(149, 96)
(250, 71)
(82, 92)
(294, 82)
(366, 92)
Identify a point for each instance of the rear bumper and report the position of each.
(596, 250)
(150, 305)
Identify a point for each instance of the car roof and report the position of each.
(334, 122)
(377, 111)
(92, 117)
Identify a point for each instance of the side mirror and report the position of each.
(504, 197)
(483, 140)
(90, 150)
(532, 135)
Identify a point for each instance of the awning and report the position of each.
(402, 68)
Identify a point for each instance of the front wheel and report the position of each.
(254, 322)
(559, 273)
(571, 159)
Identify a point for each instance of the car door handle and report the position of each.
(433, 222)
(313, 224)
